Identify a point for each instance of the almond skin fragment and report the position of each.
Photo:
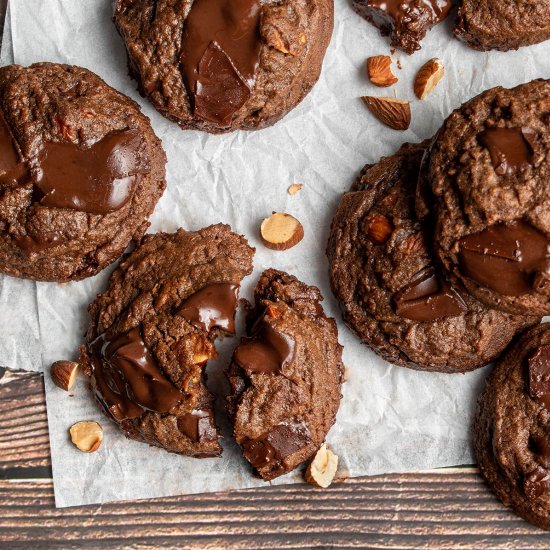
(281, 231)
(64, 374)
(86, 436)
(322, 469)
(428, 77)
(294, 188)
(379, 71)
(395, 113)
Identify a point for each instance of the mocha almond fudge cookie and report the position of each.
(223, 65)
(511, 430)
(81, 170)
(406, 22)
(393, 294)
(489, 171)
(503, 24)
(152, 332)
(285, 377)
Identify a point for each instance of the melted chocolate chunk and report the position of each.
(427, 298)
(395, 15)
(505, 257)
(98, 179)
(537, 483)
(539, 375)
(283, 441)
(220, 91)
(220, 56)
(268, 351)
(126, 379)
(198, 426)
(509, 148)
(212, 306)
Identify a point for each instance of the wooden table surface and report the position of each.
(450, 508)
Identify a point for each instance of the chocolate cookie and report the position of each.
(223, 65)
(512, 428)
(406, 22)
(503, 24)
(285, 376)
(152, 332)
(81, 170)
(489, 172)
(392, 293)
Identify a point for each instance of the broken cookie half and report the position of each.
(285, 376)
(153, 330)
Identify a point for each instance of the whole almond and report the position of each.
(379, 71)
(428, 77)
(379, 229)
(64, 373)
(86, 436)
(281, 231)
(395, 113)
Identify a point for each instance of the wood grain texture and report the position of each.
(439, 509)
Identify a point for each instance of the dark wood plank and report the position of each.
(437, 510)
(24, 442)
(449, 508)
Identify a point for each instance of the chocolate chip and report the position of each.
(509, 148)
(427, 298)
(283, 441)
(503, 257)
(212, 306)
(97, 179)
(126, 378)
(268, 351)
(198, 425)
(220, 56)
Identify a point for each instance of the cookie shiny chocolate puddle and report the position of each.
(507, 258)
(98, 179)
(198, 425)
(268, 351)
(126, 378)
(539, 375)
(427, 298)
(212, 306)
(220, 54)
(282, 441)
(509, 148)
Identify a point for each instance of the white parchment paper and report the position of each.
(391, 419)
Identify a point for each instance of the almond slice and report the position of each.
(281, 231)
(64, 373)
(428, 77)
(379, 71)
(395, 113)
(322, 469)
(86, 436)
